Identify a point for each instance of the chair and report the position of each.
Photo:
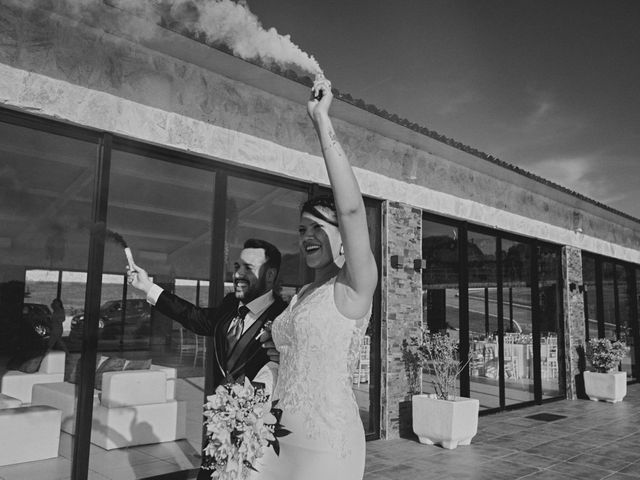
(29, 433)
(550, 363)
(135, 407)
(477, 364)
(511, 368)
(362, 372)
(200, 348)
(20, 385)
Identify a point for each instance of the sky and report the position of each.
(550, 86)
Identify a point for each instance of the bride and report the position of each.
(319, 334)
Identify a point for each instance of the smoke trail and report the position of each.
(116, 237)
(232, 24)
(218, 22)
(100, 228)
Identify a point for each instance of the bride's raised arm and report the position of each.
(359, 273)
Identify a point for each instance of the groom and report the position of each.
(236, 322)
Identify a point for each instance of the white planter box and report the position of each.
(448, 423)
(609, 387)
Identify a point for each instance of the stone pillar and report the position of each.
(574, 329)
(401, 309)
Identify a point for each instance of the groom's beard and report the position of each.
(252, 290)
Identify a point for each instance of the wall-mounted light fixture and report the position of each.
(419, 264)
(581, 288)
(577, 222)
(397, 261)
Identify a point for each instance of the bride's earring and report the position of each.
(341, 249)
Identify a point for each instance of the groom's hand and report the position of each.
(267, 343)
(272, 352)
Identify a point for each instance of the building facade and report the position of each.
(117, 131)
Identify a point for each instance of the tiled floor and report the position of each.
(596, 440)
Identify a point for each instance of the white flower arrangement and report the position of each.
(241, 422)
(605, 354)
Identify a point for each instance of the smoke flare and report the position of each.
(234, 25)
(116, 237)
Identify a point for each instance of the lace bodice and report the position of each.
(318, 352)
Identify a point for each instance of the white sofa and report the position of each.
(27, 433)
(20, 385)
(135, 407)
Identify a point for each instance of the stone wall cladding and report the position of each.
(574, 327)
(402, 307)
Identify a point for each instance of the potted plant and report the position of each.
(442, 417)
(606, 383)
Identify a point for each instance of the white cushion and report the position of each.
(19, 384)
(53, 362)
(171, 373)
(138, 425)
(29, 433)
(61, 395)
(133, 387)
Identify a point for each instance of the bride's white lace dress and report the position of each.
(318, 349)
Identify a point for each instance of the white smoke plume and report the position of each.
(234, 25)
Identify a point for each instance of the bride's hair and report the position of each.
(325, 202)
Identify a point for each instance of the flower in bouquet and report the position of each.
(605, 354)
(241, 422)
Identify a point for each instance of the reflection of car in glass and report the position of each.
(134, 322)
(39, 317)
(36, 310)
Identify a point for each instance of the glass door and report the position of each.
(518, 369)
(549, 261)
(485, 328)
(500, 296)
(46, 190)
(624, 318)
(440, 284)
(149, 378)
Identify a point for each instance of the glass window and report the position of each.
(46, 188)
(517, 322)
(483, 319)
(150, 370)
(625, 322)
(267, 212)
(590, 296)
(440, 288)
(549, 297)
(609, 299)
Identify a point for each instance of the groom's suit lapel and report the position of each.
(241, 354)
(220, 336)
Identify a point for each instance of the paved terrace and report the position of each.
(594, 440)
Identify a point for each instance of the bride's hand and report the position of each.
(320, 101)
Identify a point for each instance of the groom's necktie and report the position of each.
(236, 327)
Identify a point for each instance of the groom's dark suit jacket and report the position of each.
(247, 357)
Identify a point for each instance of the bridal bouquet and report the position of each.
(241, 421)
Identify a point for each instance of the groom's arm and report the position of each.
(201, 321)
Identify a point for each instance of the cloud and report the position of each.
(565, 171)
(543, 108)
(457, 102)
(585, 174)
